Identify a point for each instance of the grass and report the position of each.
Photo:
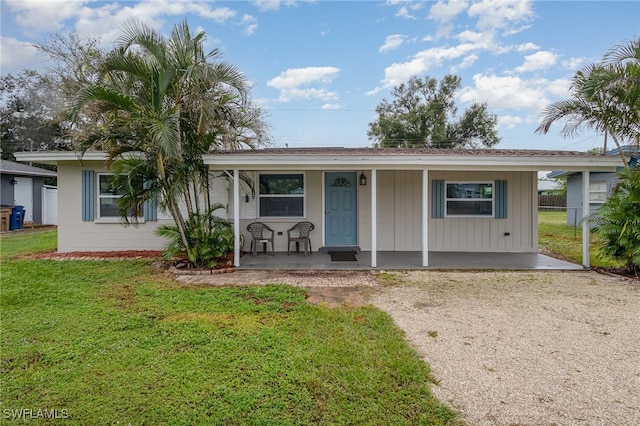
(556, 236)
(119, 342)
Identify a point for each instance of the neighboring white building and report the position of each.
(23, 185)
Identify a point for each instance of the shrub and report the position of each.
(617, 221)
(210, 239)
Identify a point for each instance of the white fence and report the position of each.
(49, 205)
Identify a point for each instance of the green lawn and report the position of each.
(120, 342)
(566, 242)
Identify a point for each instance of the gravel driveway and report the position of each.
(525, 348)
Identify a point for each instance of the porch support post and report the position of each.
(425, 218)
(374, 218)
(585, 220)
(236, 217)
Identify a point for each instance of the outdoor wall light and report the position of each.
(246, 198)
(363, 179)
(14, 181)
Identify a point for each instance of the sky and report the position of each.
(320, 68)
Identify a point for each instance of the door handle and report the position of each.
(326, 211)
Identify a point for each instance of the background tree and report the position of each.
(423, 114)
(158, 106)
(605, 97)
(30, 114)
(33, 104)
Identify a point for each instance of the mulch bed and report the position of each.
(178, 266)
(97, 255)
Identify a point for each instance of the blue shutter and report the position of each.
(437, 199)
(88, 188)
(501, 199)
(150, 208)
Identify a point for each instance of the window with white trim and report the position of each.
(281, 194)
(107, 197)
(597, 192)
(469, 199)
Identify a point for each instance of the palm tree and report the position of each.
(162, 103)
(605, 97)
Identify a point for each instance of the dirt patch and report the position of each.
(334, 297)
(526, 348)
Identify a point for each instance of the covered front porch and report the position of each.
(408, 260)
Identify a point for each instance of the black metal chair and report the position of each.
(257, 231)
(303, 228)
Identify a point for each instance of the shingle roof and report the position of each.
(405, 151)
(18, 169)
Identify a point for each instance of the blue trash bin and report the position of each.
(16, 218)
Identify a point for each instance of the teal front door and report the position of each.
(341, 209)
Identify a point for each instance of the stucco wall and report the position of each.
(74, 234)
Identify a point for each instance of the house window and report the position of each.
(469, 199)
(597, 192)
(281, 195)
(108, 196)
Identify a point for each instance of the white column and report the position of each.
(425, 218)
(236, 217)
(586, 262)
(374, 218)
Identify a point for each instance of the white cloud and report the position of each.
(272, 5)
(331, 106)
(267, 5)
(466, 63)
(501, 14)
(403, 12)
(573, 63)
(445, 12)
(422, 62)
(537, 61)
(512, 92)
(250, 24)
(406, 8)
(509, 121)
(292, 81)
(44, 15)
(16, 55)
(105, 19)
(391, 43)
(527, 46)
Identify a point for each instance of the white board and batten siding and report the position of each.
(489, 234)
(399, 215)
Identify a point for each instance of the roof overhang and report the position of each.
(399, 159)
(373, 158)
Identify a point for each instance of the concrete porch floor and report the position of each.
(408, 260)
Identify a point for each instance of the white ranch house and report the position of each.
(413, 200)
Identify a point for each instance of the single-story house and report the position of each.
(22, 185)
(600, 184)
(375, 199)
